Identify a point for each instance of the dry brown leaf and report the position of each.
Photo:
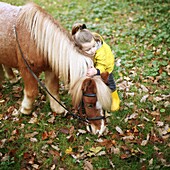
(65, 130)
(30, 135)
(155, 113)
(33, 120)
(157, 99)
(2, 143)
(144, 142)
(33, 140)
(119, 130)
(131, 137)
(35, 166)
(124, 156)
(87, 165)
(2, 101)
(55, 147)
(144, 89)
(143, 99)
(15, 112)
(52, 134)
(116, 151)
(51, 120)
(45, 135)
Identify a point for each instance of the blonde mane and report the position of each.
(103, 92)
(55, 44)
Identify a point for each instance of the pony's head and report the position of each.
(91, 98)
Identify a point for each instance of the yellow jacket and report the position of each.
(104, 58)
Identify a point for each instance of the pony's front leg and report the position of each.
(52, 84)
(30, 92)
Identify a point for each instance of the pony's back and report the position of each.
(8, 17)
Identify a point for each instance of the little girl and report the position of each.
(93, 44)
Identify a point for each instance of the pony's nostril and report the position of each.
(90, 128)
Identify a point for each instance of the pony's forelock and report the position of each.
(103, 92)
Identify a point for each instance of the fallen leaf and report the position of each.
(2, 143)
(159, 123)
(130, 94)
(35, 166)
(119, 130)
(143, 99)
(33, 140)
(144, 89)
(124, 156)
(51, 120)
(144, 142)
(15, 112)
(96, 149)
(68, 151)
(87, 165)
(116, 151)
(45, 135)
(157, 99)
(155, 113)
(111, 163)
(81, 131)
(150, 162)
(33, 120)
(2, 101)
(65, 130)
(101, 153)
(53, 167)
(1, 116)
(55, 147)
(128, 137)
(30, 135)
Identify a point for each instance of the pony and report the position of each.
(29, 33)
(46, 46)
(91, 98)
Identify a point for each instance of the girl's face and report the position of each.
(90, 47)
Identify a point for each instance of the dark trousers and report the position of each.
(111, 82)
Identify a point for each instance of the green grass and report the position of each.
(138, 32)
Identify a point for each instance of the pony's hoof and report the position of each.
(13, 80)
(25, 111)
(59, 110)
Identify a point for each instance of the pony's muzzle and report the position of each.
(94, 130)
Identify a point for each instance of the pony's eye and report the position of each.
(90, 105)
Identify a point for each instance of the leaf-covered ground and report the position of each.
(138, 31)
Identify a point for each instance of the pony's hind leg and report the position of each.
(30, 92)
(52, 84)
(1, 75)
(10, 74)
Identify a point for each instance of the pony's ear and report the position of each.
(104, 77)
(89, 85)
(84, 85)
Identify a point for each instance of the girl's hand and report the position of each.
(91, 71)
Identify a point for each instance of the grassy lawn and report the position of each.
(138, 134)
